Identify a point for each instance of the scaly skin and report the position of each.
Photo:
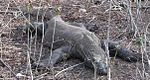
(76, 41)
(84, 42)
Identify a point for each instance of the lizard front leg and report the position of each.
(57, 56)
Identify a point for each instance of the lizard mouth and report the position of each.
(101, 68)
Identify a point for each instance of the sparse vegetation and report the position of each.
(123, 21)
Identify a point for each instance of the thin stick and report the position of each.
(69, 68)
(106, 45)
(40, 76)
(51, 49)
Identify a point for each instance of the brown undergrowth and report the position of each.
(14, 45)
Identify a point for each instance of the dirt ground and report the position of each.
(14, 44)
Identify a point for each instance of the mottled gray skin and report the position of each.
(85, 45)
(74, 40)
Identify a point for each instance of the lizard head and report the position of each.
(101, 68)
(93, 54)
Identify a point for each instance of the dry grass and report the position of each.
(128, 25)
